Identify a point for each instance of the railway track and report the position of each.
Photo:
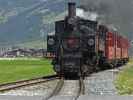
(18, 84)
(82, 87)
(56, 90)
(81, 90)
(73, 88)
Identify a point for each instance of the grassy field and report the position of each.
(13, 70)
(124, 81)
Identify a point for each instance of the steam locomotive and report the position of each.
(82, 46)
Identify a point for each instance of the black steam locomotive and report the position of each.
(75, 45)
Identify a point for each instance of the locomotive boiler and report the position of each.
(82, 46)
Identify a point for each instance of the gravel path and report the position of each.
(43, 89)
(101, 83)
(69, 88)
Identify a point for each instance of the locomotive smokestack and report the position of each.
(71, 9)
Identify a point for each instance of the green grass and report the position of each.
(13, 70)
(124, 81)
(3, 19)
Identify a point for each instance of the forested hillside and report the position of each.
(25, 21)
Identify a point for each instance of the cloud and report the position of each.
(86, 14)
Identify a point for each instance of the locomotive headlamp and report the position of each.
(51, 41)
(91, 42)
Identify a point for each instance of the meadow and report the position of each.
(124, 81)
(21, 69)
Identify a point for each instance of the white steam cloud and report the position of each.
(87, 14)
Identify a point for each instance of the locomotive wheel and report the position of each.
(97, 68)
(87, 70)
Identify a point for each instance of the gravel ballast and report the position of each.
(101, 83)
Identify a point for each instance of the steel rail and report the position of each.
(22, 83)
(56, 90)
(81, 88)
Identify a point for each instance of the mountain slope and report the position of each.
(25, 19)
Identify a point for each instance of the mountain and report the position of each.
(25, 21)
